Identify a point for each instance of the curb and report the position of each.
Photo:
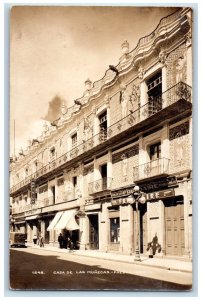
(117, 260)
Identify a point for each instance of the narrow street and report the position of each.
(40, 269)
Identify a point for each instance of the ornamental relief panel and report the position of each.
(89, 169)
(129, 98)
(120, 156)
(179, 131)
(180, 154)
(180, 149)
(176, 66)
(88, 127)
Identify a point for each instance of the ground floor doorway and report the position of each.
(46, 233)
(174, 226)
(93, 231)
(142, 228)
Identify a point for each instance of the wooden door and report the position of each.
(174, 227)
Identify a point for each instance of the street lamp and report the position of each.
(139, 197)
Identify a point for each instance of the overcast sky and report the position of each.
(53, 50)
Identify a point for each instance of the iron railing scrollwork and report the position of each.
(152, 168)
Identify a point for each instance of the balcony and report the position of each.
(101, 185)
(173, 102)
(38, 204)
(154, 168)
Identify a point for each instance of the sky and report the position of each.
(53, 50)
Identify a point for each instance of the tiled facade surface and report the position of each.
(180, 147)
(122, 155)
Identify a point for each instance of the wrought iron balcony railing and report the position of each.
(103, 184)
(174, 94)
(153, 168)
(38, 204)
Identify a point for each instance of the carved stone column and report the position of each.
(189, 57)
(143, 93)
(162, 59)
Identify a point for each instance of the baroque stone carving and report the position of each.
(134, 97)
(141, 73)
(180, 68)
(88, 128)
(179, 131)
(124, 100)
(162, 57)
(188, 39)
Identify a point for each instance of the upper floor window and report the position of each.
(74, 140)
(74, 179)
(52, 152)
(154, 92)
(155, 151)
(35, 165)
(103, 125)
(26, 171)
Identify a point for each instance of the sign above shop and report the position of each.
(147, 187)
(149, 196)
(33, 212)
(158, 184)
(160, 194)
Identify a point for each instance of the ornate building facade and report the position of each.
(132, 127)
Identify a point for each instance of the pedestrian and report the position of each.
(41, 241)
(70, 245)
(60, 240)
(65, 242)
(34, 239)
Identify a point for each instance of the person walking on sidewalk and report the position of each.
(34, 239)
(60, 240)
(70, 245)
(41, 241)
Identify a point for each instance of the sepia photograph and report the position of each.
(100, 148)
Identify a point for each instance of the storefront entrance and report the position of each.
(174, 226)
(47, 233)
(93, 231)
(143, 229)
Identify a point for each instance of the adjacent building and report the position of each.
(132, 127)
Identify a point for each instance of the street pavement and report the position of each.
(173, 264)
(44, 268)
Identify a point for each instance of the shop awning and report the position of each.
(67, 221)
(55, 220)
(19, 222)
(32, 218)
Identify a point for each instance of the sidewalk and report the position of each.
(173, 264)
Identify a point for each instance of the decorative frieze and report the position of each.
(179, 131)
(129, 152)
(88, 169)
